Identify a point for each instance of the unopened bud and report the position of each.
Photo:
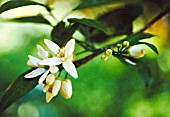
(126, 44)
(50, 79)
(104, 57)
(49, 96)
(108, 52)
(45, 88)
(118, 45)
(56, 86)
(136, 51)
(66, 89)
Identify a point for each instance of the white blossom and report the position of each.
(63, 55)
(39, 69)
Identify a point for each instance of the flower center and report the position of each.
(61, 54)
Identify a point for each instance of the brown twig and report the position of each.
(96, 52)
(155, 19)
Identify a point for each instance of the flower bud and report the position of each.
(50, 79)
(56, 86)
(118, 45)
(136, 51)
(45, 88)
(126, 44)
(104, 57)
(66, 89)
(108, 52)
(49, 96)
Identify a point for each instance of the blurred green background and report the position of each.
(104, 88)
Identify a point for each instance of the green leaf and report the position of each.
(93, 3)
(17, 89)
(62, 34)
(89, 22)
(144, 72)
(31, 19)
(118, 21)
(151, 46)
(135, 38)
(19, 3)
(121, 18)
(141, 66)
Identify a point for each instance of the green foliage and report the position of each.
(150, 46)
(118, 21)
(90, 23)
(32, 19)
(19, 3)
(112, 23)
(144, 72)
(135, 38)
(17, 89)
(93, 3)
(62, 34)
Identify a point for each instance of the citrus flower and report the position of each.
(63, 55)
(52, 90)
(33, 62)
(136, 51)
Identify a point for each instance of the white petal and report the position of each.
(130, 62)
(42, 53)
(35, 73)
(56, 87)
(53, 69)
(33, 60)
(42, 78)
(29, 63)
(70, 47)
(52, 46)
(51, 61)
(70, 68)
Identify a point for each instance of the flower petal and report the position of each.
(70, 68)
(52, 46)
(42, 53)
(35, 73)
(53, 69)
(130, 62)
(51, 61)
(56, 86)
(42, 78)
(70, 47)
(33, 60)
(29, 63)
